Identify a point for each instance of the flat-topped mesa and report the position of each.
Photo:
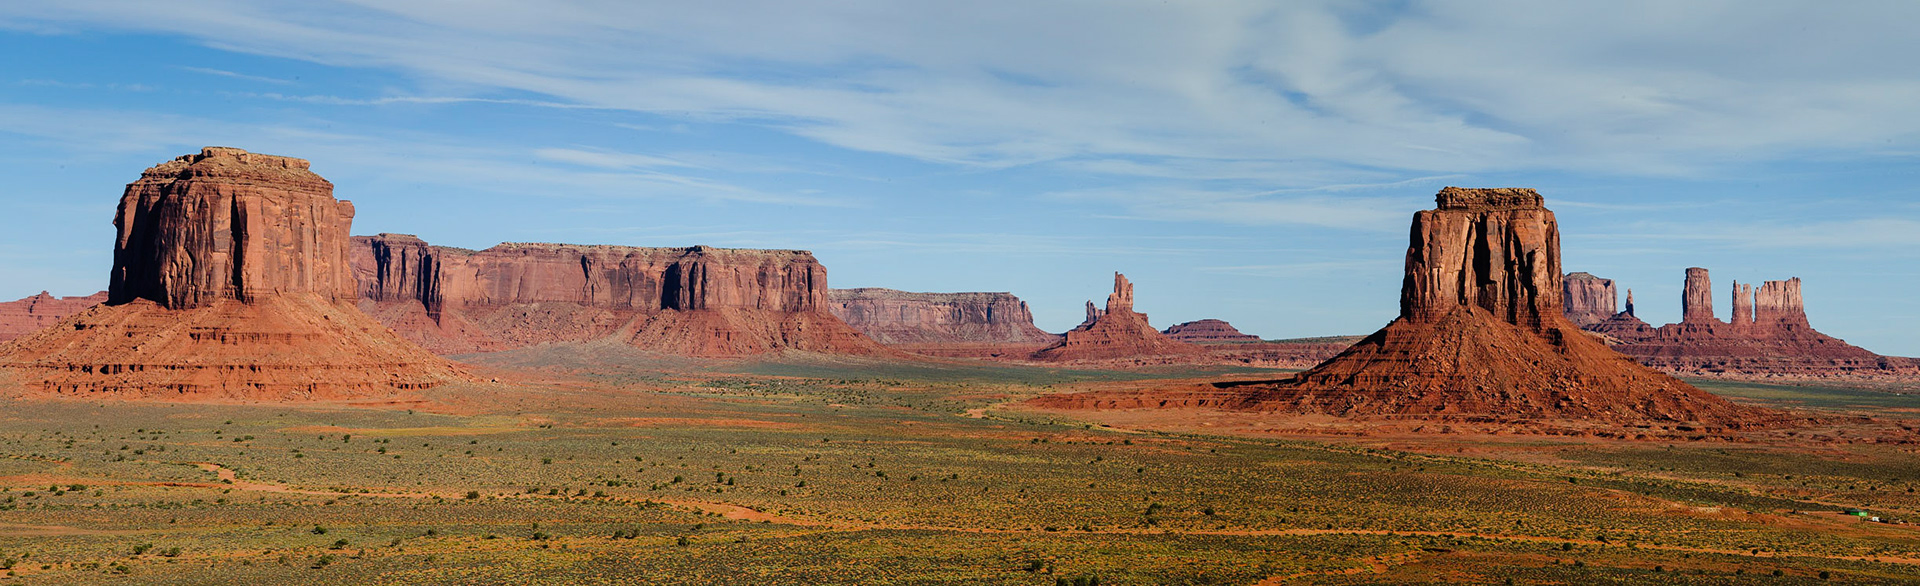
(1118, 333)
(521, 293)
(1208, 330)
(1777, 305)
(229, 224)
(1588, 299)
(1496, 250)
(1481, 335)
(900, 317)
(22, 317)
(230, 282)
(1489, 199)
(1696, 299)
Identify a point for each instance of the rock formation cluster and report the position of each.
(25, 316)
(695, 301)
(230, 281)
(1116, 333)
(1767, 335)
(931, 321)
(1208, 330)
(1481, 335)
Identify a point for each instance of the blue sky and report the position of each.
(1250, 161)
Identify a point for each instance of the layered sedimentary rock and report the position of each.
(1116, 333)
(1767, 336)
(1588, 299)
(916, 321)
(696, 301)
(22, 317)
(1480, 336)
(1696, 299)
(230, 281)
(1208, 330)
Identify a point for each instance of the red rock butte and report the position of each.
(915, 320)
(1767, 336)
(1207, 330)
(1480, 336)
(230, 281)
(694, 301)
(1116, 333)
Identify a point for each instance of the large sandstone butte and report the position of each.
(930, 321)
(1768, 336)
(696, 301)
(1208, 330)
(1588, 299)
(230, 281)
(1117, 333)
(1480, 336)
(25, 316)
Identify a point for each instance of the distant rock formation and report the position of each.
(905, 319)
(1480, 336)
(1208, 330)
(1588, 299)
(1117, 333)
(1768, 336)
(19, 318)
(229, 282)
(696, 301)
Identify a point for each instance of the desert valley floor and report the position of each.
(601, 463)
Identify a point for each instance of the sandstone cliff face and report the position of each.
(1118, 333)
(516, 294)
(1588, 299)
(1208, 330)
(902, 318)
(1480, 335)
(1495, 249)
(229, 224)
(1767, 337)
(1696, 299)
(19, 318)
(230, 282)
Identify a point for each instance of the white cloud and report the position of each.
(1634, 87)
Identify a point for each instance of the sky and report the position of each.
(1251, 161)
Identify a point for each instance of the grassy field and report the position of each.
(817, 471)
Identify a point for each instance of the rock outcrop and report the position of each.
(1768, 336)
(1208, 330)
(915, 320)
(695, 301)
(1588, 299)
(19, 318)
(1480, 336)
(1696, 299)
(229, 282)
(1114, 334)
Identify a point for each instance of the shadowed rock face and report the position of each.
(517, 294)
(1117, 333)
(230, 282)
(1495, 249)
(229, 224)
(1588, 299)
(1481, 335)
(1208, 330)
(900, 317)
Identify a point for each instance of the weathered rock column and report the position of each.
(1696, 301)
